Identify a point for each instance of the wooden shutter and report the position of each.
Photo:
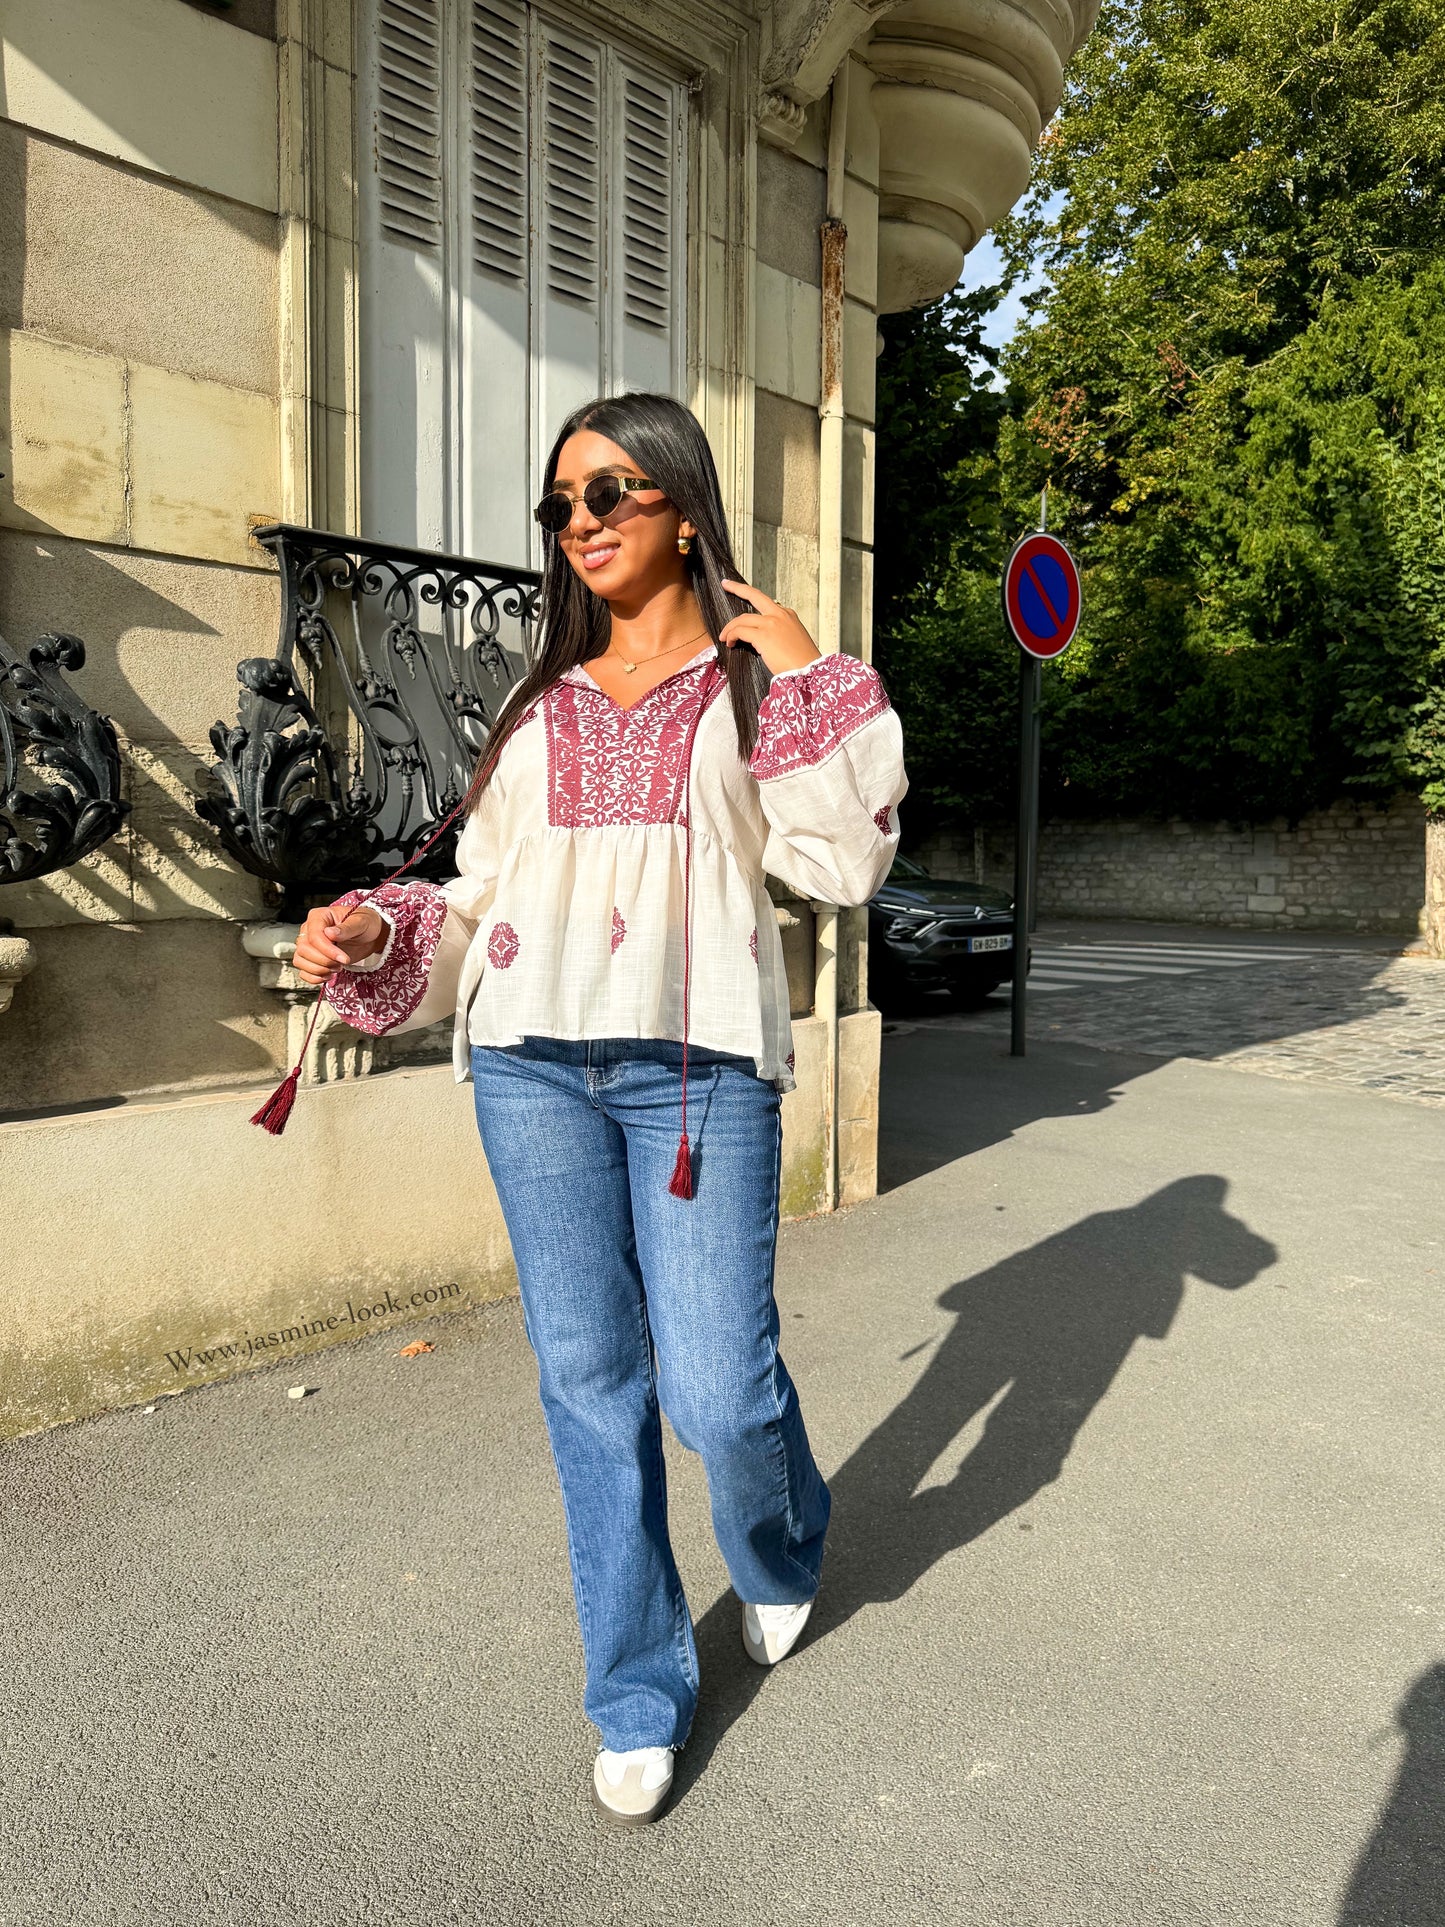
(568, 316)
(571, 170)
(495, 308)
(646, 186)
(498, 159)
(409, 121)
(404, 406)
(522, 250)
(648, 245)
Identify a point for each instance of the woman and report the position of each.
(612, 962)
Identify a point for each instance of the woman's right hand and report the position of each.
(331, 938)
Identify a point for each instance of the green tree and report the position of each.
(1230, 377)
(937, 536)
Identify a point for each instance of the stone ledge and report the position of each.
(17, 960)
(185, 1230)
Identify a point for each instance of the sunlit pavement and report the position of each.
(1128, 1389)
(1366, 1012)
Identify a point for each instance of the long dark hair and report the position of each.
(666, 442)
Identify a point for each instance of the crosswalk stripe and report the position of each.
(1056, 960)
(1057, 979)
(1061, 967)
(1207, 952)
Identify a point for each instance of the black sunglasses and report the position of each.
(603, 495)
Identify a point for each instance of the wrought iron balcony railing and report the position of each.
(362, 731)
(59, 764)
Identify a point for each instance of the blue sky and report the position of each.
(982, 269)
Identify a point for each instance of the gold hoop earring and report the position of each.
(684, 544)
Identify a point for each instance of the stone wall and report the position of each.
(1343, 868)
(791, 205)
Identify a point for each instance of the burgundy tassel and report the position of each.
(274, 1112)
(680, 1184)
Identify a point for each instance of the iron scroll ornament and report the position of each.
(60, 773)
(358, 736)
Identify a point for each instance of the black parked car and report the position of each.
(927, 933)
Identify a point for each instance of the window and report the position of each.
(522, 247)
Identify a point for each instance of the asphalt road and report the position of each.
(1129, 1391)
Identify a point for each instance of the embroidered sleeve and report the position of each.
(416, 978)
(377, 996)
(829, 766)
(809, 714)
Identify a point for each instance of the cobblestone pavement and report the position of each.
(1370, 1018)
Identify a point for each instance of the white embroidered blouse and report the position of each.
(567, 916)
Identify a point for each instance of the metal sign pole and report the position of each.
(1038, 735)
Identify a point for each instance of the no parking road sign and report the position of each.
(1041, 595)
(1041, 607)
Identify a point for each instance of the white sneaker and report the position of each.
(771, 1632)
(632, 1788)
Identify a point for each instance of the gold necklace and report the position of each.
(631, 668)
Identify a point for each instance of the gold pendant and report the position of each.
(629, 669)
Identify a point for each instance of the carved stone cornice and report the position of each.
(962, 92)
(806, 41)
(782, 117)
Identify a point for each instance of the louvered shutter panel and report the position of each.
(499, 139)
(404, 331)
(649, 246)
(523, 250)
(571, 170)
(409, 120)
(571, 185)
(496, 322)
(646, 189)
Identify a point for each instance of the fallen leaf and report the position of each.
(416, 1348)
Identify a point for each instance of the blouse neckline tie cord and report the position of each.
(680, 1183)
(274, 1113)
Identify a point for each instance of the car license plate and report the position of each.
(976, 944)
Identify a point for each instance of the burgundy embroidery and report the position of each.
(502, 946)
(753, 944)
(619, 928)
(792, 1059)
(880, 817)
(376, 1000)
(608, 765)
(806, 719)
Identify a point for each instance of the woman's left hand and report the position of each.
(776, 633)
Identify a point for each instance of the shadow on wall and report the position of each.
(1037, 1342)
(1399, 1879)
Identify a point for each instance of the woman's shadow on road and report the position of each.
(1037, 1341)
(1399, 1879)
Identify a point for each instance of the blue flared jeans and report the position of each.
(636, 1301)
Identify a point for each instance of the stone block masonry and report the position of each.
(1341, 868)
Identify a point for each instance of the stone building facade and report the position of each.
(326, 263)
